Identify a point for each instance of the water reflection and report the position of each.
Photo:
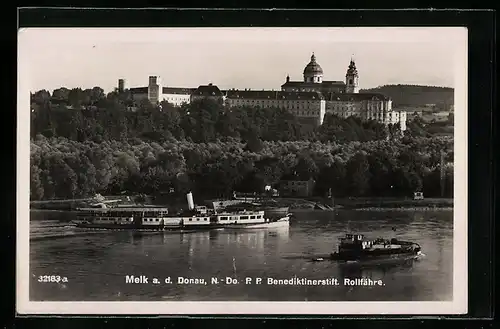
(256, 240)
(98, 261)
(375, 269)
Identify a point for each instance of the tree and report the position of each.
(358, 173)
(332, 178)
(41, 97)
(268, 171)
(306, 167)
(60, 95)
(36, 187)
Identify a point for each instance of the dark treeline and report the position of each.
(94, 143)
(416, 95)
(61, 168)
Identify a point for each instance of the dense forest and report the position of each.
(85, 142)
(416, 96)
(89, 115)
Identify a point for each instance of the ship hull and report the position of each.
(375, 256)
(283, 222)
(111, 226)
(379, 260)
(276, 212)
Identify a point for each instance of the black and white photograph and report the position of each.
(242, 170)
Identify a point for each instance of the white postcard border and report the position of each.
(460, 268)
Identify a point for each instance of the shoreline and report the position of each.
(380, 209)
(301, 204)
(405, 209)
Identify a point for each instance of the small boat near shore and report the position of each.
(356, 248)
(195, 218)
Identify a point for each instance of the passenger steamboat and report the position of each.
(195, 218)
(355, 247)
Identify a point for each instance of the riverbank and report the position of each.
(394, 203)
(406, 209)
(295, 204)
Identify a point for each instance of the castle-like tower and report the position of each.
(155, 89)
(352, 79)
(313, 73)
(122, 85)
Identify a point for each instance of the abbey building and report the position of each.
(310, 99)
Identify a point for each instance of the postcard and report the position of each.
(278, 171)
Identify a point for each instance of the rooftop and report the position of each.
(268, 94)
(178, 91)
(207, 90)
(313, 67)
(139, 90)
(313, 84)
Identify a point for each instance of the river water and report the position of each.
(96, 263)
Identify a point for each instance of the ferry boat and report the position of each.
(158, 218)
(355, 247)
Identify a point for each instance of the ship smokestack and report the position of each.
(190, 201)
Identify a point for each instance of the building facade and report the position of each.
(177, 96)
(155, 92)
(297, 188)
(313, 81)
(310, 99)
(303, 104)
(209, 91)
(343, 98)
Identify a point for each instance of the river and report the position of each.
(96, 263)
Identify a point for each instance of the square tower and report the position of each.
(155, 89)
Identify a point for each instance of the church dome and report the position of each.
(313, 67)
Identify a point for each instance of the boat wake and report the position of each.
(62, 235)
(420, 255)
(322, 258)
(315, 258)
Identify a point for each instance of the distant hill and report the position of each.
(416, 96)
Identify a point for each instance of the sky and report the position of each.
(256, 58)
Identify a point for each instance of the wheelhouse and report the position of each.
(354, 242)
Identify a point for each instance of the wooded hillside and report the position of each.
(414, 95)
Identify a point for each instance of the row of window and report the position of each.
(151, 219)
(329, 104)
(160, 213)
(112, 219)
(293, 107)
(308, 113)
(380, 115)
(178, 99)
(249, 100)
(339, 108)
(240, 217)
(198, 219)
(346, 114)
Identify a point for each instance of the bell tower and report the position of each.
(352, 79)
